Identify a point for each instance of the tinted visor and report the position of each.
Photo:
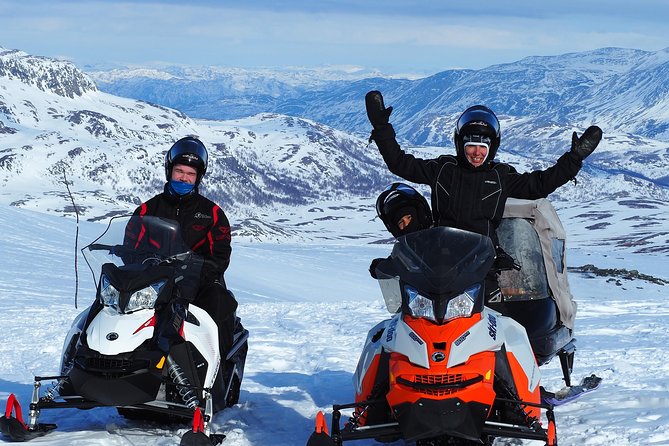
(480, 120)
(394, 196)
(188, 152)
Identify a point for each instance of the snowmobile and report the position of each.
(448, 368)
(141, 346)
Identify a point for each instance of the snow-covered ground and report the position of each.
(308, 308)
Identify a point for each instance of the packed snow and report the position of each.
(308, 308)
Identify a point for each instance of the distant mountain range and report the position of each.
(626, 89)
(297, 146)
(540, 99)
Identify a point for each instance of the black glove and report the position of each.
(504, 262)
(377, 113)
(586, 144)
(373, 265)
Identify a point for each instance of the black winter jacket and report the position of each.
(204, 226)
(471, 198)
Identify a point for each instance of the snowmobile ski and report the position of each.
(14, 427)
(570, 393)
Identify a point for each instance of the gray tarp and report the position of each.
(543, 218)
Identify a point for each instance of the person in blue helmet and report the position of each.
(470, 189)
(204, 226)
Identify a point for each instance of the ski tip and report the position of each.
(16, 431)
(588, 384)
(191, 438)
(321, 424)
(320, 436)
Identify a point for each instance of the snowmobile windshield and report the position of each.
(519, 238)
(442, 262)
(135, 242)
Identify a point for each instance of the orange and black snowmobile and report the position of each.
(445, 369)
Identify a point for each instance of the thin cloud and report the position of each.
(393, 35)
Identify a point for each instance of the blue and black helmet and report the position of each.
(400, 199)
(477, 124)
(188, 151)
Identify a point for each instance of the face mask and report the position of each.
(180, 188)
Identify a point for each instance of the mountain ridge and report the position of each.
(278, 175)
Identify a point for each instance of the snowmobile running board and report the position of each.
(392, 429)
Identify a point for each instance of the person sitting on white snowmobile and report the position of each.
(470, 189)
(403, 210)
(204, 225)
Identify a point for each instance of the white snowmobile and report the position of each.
(141, 346)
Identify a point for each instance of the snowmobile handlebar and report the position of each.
(113, 249)
(122, 250)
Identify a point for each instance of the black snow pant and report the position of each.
(221, 305)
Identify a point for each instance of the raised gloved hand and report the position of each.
(587, 143)
(377, 113)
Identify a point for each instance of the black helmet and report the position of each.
(477, 124)
(400, 199)
(190, 152)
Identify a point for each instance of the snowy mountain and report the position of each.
(626, 88)
(278, 177)
(219, 92)
(48, 75)
(540, 100)
(111, 149)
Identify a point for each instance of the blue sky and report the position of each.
(394, 36)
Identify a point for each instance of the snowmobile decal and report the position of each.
(150, 323)
(400, 338)
(492, 326)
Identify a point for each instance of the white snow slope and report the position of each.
(308, 309)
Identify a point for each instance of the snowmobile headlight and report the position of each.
(144, 298)
(109, 296)
(419, 306)
(463, 304)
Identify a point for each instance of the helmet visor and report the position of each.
(394, 193)
(478, 120)
(190, 154)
